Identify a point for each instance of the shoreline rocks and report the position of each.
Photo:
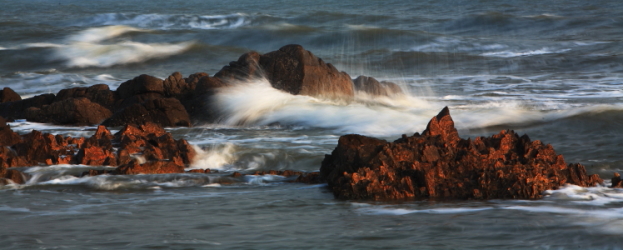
(178, 101)
(438, 164)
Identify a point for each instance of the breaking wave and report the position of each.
(172, 21)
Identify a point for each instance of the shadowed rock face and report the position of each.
(168, 112)
(299, 72)
(8, 95)
(439, 164)
(74, 111)
(293, 70)
(373, 87)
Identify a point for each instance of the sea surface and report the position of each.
(550, 69)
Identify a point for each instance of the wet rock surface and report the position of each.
(168, 112)
(71, 111)
(371, 86)
(178, 101)
(146, 149)
(438, 164)
(294, 70)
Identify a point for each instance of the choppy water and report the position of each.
(550, 69)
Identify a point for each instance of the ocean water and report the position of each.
(549, 69)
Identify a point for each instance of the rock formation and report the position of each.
(70, 111)
(294, 70)
(372, 87)
(8, 95)
(179, 101)
(128, 148)
(438, 164)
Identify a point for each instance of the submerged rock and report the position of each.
(9, 176)
(153, 167)
(439, 164)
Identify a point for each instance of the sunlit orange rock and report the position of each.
(152, 167)
(439, 164)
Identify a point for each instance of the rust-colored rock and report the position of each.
(94, 155)
(439, 164)
(74, 111)
(153, 167)
(8, 95)
(372, 87)
(102, 149)
(7, 136)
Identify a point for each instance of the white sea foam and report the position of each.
(28, 84)
(512, 53)
(87, 48)
(6, 208)
(99, 34)
(382, 210)
(220, 156)
(172, 21)
(361, 27)
(262, 179)
(84, 54)
(257, 102)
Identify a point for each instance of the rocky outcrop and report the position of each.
(616, 181)
(247, 67)
(8, 95)
(70, 111)
(294, 70)
(142, 84)
(168, 112)
(99, 93)
(371, 86)
(299, 72)
(7, 136)
(199, 104)
(154, 167)
(15, 109)
(438, 164)
(146, 143)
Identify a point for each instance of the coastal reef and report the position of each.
(181, 102)
(144, 149)
(438, 164)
